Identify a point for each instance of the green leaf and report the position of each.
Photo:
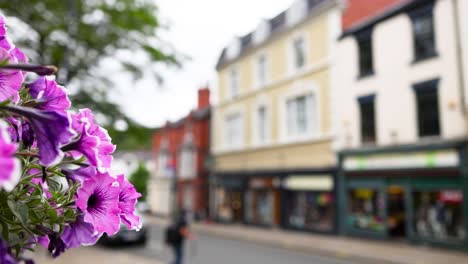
(52, 215)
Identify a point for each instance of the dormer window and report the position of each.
(234, 49)
(297, 12)
(262, 32)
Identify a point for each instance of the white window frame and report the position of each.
(292, 69)
(229, 145)
(301, 88)
(258, 82)
(265, 102)
(233, 83)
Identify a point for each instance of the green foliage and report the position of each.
(140, 179)
(78, 35)
(29, 210)
(141, 137)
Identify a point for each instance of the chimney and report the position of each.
(203, 98)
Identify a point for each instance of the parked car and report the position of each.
(126, 236)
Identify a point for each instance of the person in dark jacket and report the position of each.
(182, 232)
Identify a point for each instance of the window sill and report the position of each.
(419, 59)
(369, 144)
(365, 75)
(430, 138)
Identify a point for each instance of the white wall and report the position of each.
(396, 120)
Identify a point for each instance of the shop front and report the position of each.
(418, 193)
(229, 201)
(309, 203)
(262, 202)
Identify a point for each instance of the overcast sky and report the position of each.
(199, 29)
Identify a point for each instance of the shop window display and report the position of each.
(259, 207)
(311, 210)
(439, 215)
(366, 210)
(228, 205)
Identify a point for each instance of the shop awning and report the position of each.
(309, 182)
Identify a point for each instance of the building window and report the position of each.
(262, 124)
(299, 56)
(163, 164)
(301, 115)
(234, 83)
(366, 210)
(312, 210)
(261, 70)
(423, 32)
(439, 215)
(427, 102)
(187, 163)
(233, 130)
(367, 112)
(366, 64)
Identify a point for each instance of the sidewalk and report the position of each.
(91, 255)
(352, 249)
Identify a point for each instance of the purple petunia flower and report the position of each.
(10, 80)
(14, 128)
(127, 199)
(79, 233)
(87, 145)
(56, 245)
(49, 95)
(10, 166)
(98, 198)
(79, 173)
(99, 155)
(51, 129)
(27, 134)
(4, 41)
(5, 255)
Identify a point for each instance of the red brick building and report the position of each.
(180, 149)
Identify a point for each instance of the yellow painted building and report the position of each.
(272, 122)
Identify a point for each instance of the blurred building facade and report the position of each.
(399, 119)
(181, 150)
(126, 162)
(271, 143)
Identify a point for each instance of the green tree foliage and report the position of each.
(141, 137)
(140, 179)
(79, 35)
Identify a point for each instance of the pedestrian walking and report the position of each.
(176, 234)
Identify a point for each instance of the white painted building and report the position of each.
(463, 20)
(399, 122)
(393, 80)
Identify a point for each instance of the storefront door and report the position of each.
(396, 210)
